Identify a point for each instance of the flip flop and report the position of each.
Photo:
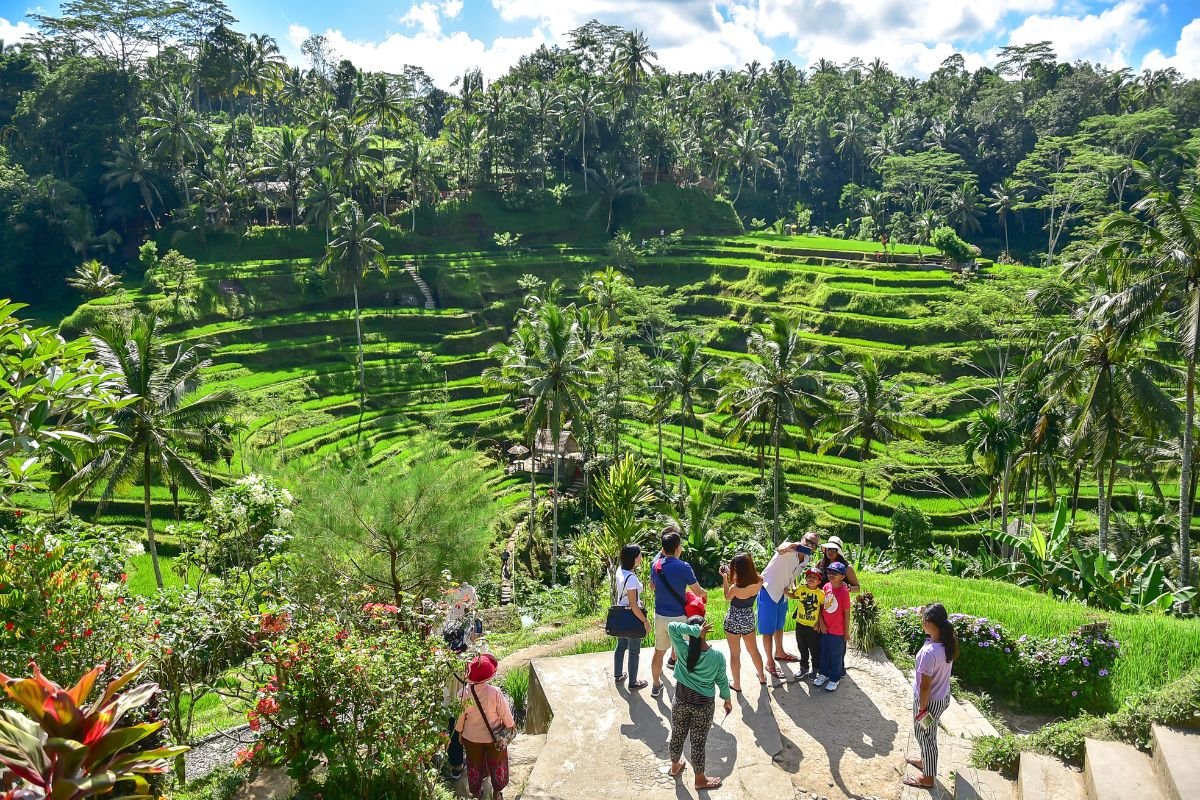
(787, 658)
(713, 783)
(736, 689)
(682, 767)
(916, 783)
(914, 762)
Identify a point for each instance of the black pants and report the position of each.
(808, 642)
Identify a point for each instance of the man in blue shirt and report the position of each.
(670, 579)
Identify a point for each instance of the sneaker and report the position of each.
(831, 686)
(819, 680)
(656, 692)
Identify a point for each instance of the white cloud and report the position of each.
(425, 16)
(1187, 53)
(10, 33)
(1105, 37)
(445, 56)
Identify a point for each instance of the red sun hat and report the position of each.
(694, 604)
(481, 668)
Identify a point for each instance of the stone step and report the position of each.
(1045, 778)
(1177, 762)
(982, 784)
(1118, 771)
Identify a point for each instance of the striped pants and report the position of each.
(927, 737)
(690, 721)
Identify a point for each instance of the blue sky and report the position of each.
(913, 36)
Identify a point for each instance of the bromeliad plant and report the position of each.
(60, 750)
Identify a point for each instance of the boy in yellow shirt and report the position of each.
(808, 611)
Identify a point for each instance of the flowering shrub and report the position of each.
(245, 524)
(63, 595)
(361, 692)
(1068, 673)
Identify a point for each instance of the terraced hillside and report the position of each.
(284, 340)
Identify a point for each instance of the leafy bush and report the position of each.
(912, 532)
(864, 617)
(360, 692)
(949, 242)
(244, 524)
(1066, 673)
(1177, 703)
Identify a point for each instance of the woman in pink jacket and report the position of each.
(484, 758)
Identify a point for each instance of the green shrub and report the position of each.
(912, 531)
(949, 242)
(864, 616)
(1064, 673)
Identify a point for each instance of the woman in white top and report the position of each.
(629, 592)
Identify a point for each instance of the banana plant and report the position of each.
(60, 750)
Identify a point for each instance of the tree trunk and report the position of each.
(681, 445)
(662, 474)
(775, 482)
(1185, 463)
(362, 370)
(1102, 505)
(555, 432)
(1004, 220)
(1075, 492)
(146, 472)
(1005, 479)
(862, 491)
(583, 156)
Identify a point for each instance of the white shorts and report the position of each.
(662, 639)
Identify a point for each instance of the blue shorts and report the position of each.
(772, 616)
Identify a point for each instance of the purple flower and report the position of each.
(1087, 663)
(1103, 673)
(1008, 649)
(1074, 694)
(1062, 662)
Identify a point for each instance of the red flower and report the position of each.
(124, 577)
(58, 648)
(87, 633)
(342, 635)
(255, 723)
(8, 626)
(121, 601)
(267, 706)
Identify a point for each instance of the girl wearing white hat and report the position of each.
(832, 551)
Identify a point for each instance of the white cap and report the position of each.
(832, 543)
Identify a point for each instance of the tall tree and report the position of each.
(689, 374)
(865, 411)
(163, 424)
(352, 254)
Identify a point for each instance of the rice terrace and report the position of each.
(671, 406)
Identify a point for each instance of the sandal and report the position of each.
(711, 783)
(787, 658)
(676, 773)
(737, 689)
(620, 677)
(638, 685)
(916, 783)
(913, 761)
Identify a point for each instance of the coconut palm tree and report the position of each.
(543, 103)
(1156, 247)
(963, 207)
(129, 165)
(353, 253)
(285, 160)
(583, 105)
(322, 199)
(418, 171)
(992, 442)
(851, 134)
(559, 378)
(165, 419)
(174, 132)
(865, 411)
(1005, 197)
(689, 374)
(776, 382)
(1117, 384)
(632, 60)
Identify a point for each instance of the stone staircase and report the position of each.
(1111, 771)
(411, 269)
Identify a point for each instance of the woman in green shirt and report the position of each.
(698, 676)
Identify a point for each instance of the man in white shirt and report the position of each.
(778, 576)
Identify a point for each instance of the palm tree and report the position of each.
(1157, 246)
(94, 279)
(583, 104)
(174, 131)
(381, 103)
(1005, 197)
(688, 376)
(963, 207)
(285, 161)
(543, 104)
(867, 410)
(418, 171)
(1117, 384)
(776, 382)
(558, 382)
(614, 185)
(631, 62)
(128, 166)
(750, 148)
(353, 253)
(322, 199)
(164, 417)
(851, 136)
(992, 441)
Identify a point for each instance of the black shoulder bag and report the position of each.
(622, 622)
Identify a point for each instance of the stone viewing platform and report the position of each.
(790, 740)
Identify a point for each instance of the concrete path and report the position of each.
(785, 741)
